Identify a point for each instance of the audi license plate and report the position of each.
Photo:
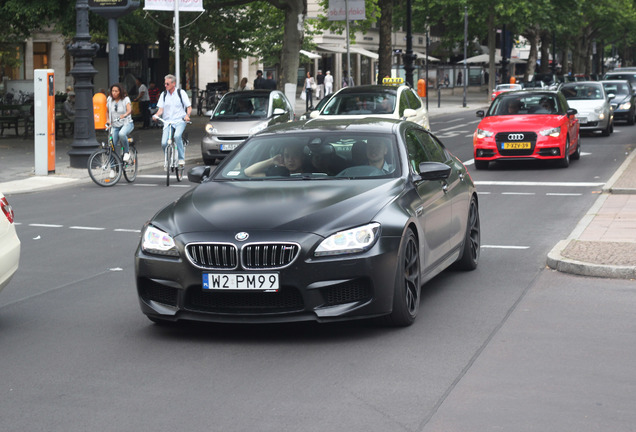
(241, 281)
(516, 145)
(228, 147)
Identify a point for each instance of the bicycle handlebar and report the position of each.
(167, 122)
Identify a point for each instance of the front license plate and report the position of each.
(241, 281)
(228, 147)
(516, 145)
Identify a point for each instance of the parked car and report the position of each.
(239, 115)
(592, 104)
(9, 243)
(623, 100)
(527, 125)
(324, 220)
(385, 101)
(501, 88)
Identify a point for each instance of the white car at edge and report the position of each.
(9, 243)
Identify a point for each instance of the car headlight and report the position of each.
(351, 241)
(484, 133)
(210, 129)
(155, 241)
(259, 127)
(554, 132)
(625, 106)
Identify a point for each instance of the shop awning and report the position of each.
(352, 49)
(310, 54)
(422, 56)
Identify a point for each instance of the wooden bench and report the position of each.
(9, 118)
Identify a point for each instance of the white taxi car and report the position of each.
(9, 244)
(393, 100)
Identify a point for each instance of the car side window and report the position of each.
(413, 100)
(416, 155)
(404, 104)
(278, 102)
(433, 149)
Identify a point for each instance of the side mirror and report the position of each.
(409, 113)
(314, 114)
(279, 111)
(571, 111)
(199, 173)
(480, 114)
(611, 96)
(434, 171)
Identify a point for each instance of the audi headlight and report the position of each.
(157, 242)
(351, 241)
(484, 133)
(554, 132)
(259, 127)
(210, 129)
(625, 106)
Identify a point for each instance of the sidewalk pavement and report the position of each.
(603, 244)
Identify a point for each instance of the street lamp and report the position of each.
(83, 51)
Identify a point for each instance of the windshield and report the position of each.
(241, 105)
(617, 89)
(582, 92)
(361, 104)
(313, 156)
(533, 103)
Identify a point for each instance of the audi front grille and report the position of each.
(506, 137)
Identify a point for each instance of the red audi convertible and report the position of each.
(527, 125)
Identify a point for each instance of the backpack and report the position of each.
(163, 95)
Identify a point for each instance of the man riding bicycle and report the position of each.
(174, 106)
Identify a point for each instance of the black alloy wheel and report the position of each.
(406, 296)
(469, 258)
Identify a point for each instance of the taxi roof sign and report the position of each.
(392, 81)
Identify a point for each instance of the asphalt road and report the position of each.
(77, 354)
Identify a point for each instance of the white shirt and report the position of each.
(173, 110)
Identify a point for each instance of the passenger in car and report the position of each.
(291, 161)
(374, 153)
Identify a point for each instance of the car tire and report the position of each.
(565, 161)
(631, 118)
(607, 131)
(577, 154)
(481, 164)
(407, 288)
(469, 259)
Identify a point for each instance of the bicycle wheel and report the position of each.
(104, 168)
(169, 151)
(130, 167)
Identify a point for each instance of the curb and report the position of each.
(557, 261)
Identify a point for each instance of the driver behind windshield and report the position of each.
(291, 161)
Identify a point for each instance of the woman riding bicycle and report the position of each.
(174, 107)
(119, 116)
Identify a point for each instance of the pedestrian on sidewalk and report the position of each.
(143, 99)
(328, 83)
(118, 115)
(310, 86)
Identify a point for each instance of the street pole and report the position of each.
(348, 52)
(83, 52)
(177, 58)
(465, 81)
(408, 56)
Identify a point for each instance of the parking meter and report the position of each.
(44, 121)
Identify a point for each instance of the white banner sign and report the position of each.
(337, 10)
(168, 5)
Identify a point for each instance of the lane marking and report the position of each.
(86, 228)
(505, 247)
(45, 225)
(563, 194)
(525, 183)
(127, 230)
(518, 193)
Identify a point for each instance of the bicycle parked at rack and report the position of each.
(171, 155)
(105, 165)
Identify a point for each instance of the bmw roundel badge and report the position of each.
(242, 236)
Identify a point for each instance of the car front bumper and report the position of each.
(311, 289)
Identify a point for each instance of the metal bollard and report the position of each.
(439, 96)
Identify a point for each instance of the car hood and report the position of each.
(320, 207)
(583, 106)
(620, 99)
(236, 126)
(530, 122)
